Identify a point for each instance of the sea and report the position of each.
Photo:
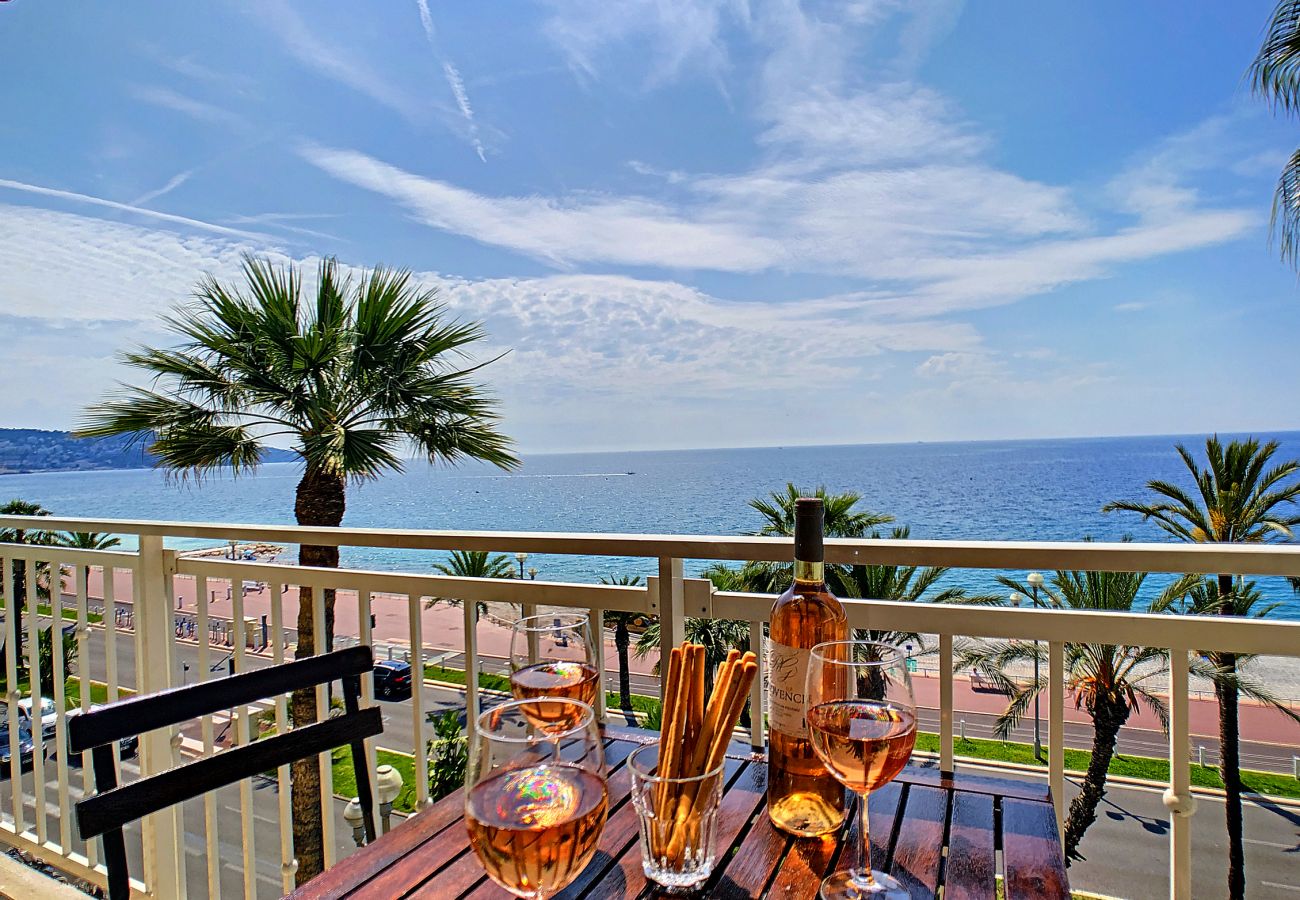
(1023, 490)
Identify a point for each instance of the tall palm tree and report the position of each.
(619, 621)
(18, 507)
(902, 584)
(473, 564)
(777, 510)
(1275, 75)
(1108, 681)
(352, 377)
(1238, 498)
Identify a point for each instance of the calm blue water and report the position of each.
(1012, 490)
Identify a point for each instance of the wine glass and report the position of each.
(535, 801)
(553, 656)
(862, 724)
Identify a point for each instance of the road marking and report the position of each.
(1269, 843)
(1285, 887)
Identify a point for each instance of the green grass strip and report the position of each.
(1144, 767)
(345, 777)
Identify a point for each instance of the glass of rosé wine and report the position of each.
(862, 724)
(553, 656)
(535, 799)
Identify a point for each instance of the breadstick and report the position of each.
(735, 690)
(670, 727)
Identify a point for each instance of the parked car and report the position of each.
(49, 716)
(26, 749)
(392, 679)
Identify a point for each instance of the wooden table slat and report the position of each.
(918, 851)
(972, 866)
(1031, 851)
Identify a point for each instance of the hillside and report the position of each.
(32, 450)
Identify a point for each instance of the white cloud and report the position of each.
(335, 60)
(125, 207)
(188, 106)
(172, 184)
(591, 228)
(578, 342)
(454, 81)
(681, 34)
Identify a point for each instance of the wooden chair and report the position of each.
(113, 805)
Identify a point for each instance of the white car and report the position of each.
(49, 716)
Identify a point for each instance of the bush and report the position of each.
(448, 754)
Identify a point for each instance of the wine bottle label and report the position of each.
(787, 679)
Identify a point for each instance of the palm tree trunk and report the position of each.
(1107, 718)
(1230, 757)
(622, 641)
(321, 500)
(1230, 772)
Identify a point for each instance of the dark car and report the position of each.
(25, 749)
(392, 679)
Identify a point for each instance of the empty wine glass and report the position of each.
(553, 656)
(862, 724)
(535, 800)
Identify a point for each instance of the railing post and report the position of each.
(945, 703)
(758, 688)
(162, 832)
(471, 669)
(671, 609)
(1178, 798)
(1056, 730)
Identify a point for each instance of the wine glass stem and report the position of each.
(861, 873)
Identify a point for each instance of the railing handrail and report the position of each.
(1208, 559)
(1270, 637)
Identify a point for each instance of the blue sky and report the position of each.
(692, 224)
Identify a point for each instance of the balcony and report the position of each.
(121, 609)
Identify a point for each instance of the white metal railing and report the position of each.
(41, 824)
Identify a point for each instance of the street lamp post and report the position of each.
(532, 573)
(1035, 580)
(356, 817)
(388, 784)
(522, 558)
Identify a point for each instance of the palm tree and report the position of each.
(1275, 75)
(22, 536)
(619, 621)
(777, 510)
(1106, 680)
(1204, 597)
(902, 584)
(1238, 499)
(351, 377)
(473, 564)
(87, 540)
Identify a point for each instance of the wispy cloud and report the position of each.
(172, 184)
(337, 61)
(198, 110)
(631, 231)
(454, 81)
(74, 197)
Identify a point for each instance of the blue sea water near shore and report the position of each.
(987, 490)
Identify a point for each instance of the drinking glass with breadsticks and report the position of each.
(677, 783)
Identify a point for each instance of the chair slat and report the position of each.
(137, 715)
(115, 807)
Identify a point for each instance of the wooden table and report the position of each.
(928, 830)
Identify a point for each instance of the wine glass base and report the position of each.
(846, 886)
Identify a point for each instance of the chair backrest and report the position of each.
(113, 805)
